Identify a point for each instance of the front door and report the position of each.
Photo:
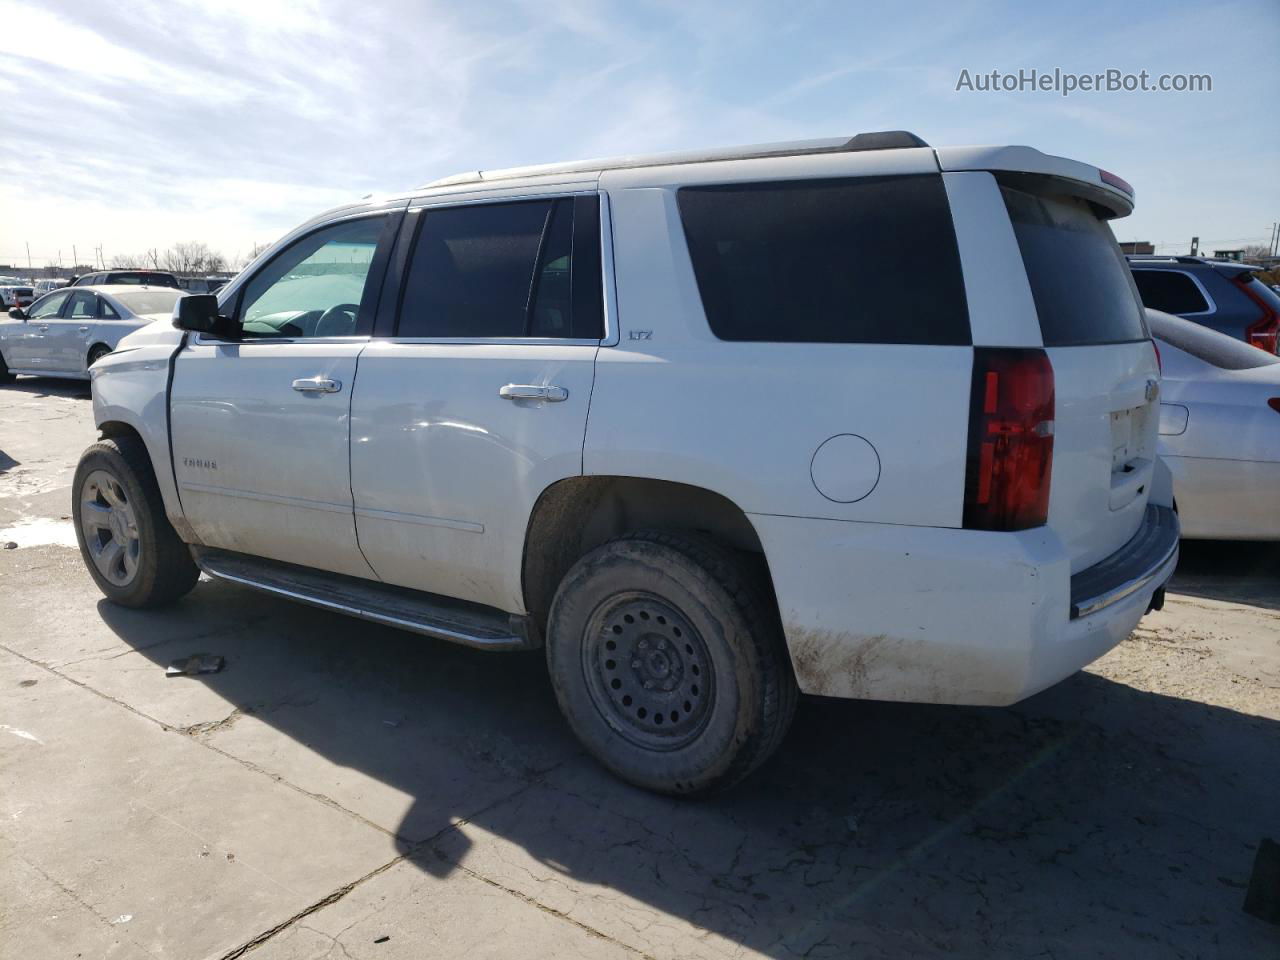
(261, 426)
(478, 400)
(28, 348)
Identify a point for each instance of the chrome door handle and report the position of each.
(44, 328)
(530, 391)
(84, 329)
(317, 385)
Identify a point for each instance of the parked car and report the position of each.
(1219, 431)
(67, 331)
(1222, 295)
(41, 287)
(691, 422)
(19, 295)
(148, 278)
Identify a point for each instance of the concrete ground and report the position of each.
(342, 790)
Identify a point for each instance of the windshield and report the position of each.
(1218, 349)
(148, 301)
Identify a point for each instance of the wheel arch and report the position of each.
(92, 347)
(575, 515)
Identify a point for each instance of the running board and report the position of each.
(470, 624)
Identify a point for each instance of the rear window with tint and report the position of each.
(1080, 280)
(1212, 347)
(867, 260)
(1170, 290)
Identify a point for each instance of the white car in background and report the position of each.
(64, 332)
(1219, 431)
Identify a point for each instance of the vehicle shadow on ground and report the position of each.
(1232, 570)
(1094, 819)
(48, 387)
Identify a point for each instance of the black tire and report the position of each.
(694, 621)
(99, 351)
(162, 569)
(5, 375)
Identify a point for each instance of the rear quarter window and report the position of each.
(866, 260)
(1083, 290)
(1170, 290)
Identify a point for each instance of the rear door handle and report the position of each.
(530, 391)
(317, 385)
(84, 329)
(44, 328)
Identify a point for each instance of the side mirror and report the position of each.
(18, 313)
(199, 312)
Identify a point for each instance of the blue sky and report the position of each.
(231, 122)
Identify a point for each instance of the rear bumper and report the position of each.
(1148, 558)
(932, 615)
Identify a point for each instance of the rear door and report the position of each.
(67, 339)
(1106, 376)
(477, 401)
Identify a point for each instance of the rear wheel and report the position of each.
(130, 548)
(97, 353)
(667, 658)
(5, 375)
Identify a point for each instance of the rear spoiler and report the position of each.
(1099, 186)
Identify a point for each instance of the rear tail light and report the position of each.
(1010, 459)
(1159, 359)
(1274, 404)
(1263, 333)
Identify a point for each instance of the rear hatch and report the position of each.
(1106, 374)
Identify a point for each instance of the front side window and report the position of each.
(507, 270)
(314, 287)
(48, 307)
(827, 261)
(1170, 290)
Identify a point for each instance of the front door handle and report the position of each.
(44, 328)
(84, 329)
(529, 391)
(317, 385)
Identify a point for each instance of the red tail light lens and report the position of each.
(1159, 359)
(1010, 440)
(1262, 334)
(1274, 404)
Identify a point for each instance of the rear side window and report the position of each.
(1171, 291)
(866, 260)
(1080, 280)
(507, 270)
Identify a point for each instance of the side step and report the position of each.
(470, 624)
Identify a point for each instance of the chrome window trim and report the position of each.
(610, 306)
(1213, 305)
(199, 340)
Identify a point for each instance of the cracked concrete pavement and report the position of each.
(343, 790)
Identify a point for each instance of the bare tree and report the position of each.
(254, 252)
(1256, 251)
(192, 257)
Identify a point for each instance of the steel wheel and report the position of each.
(648, 672)
(110, 527)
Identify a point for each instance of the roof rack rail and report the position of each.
(874, 140)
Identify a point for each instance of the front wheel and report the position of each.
(668, 661)
(130, 548)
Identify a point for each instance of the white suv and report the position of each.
(858, 417)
